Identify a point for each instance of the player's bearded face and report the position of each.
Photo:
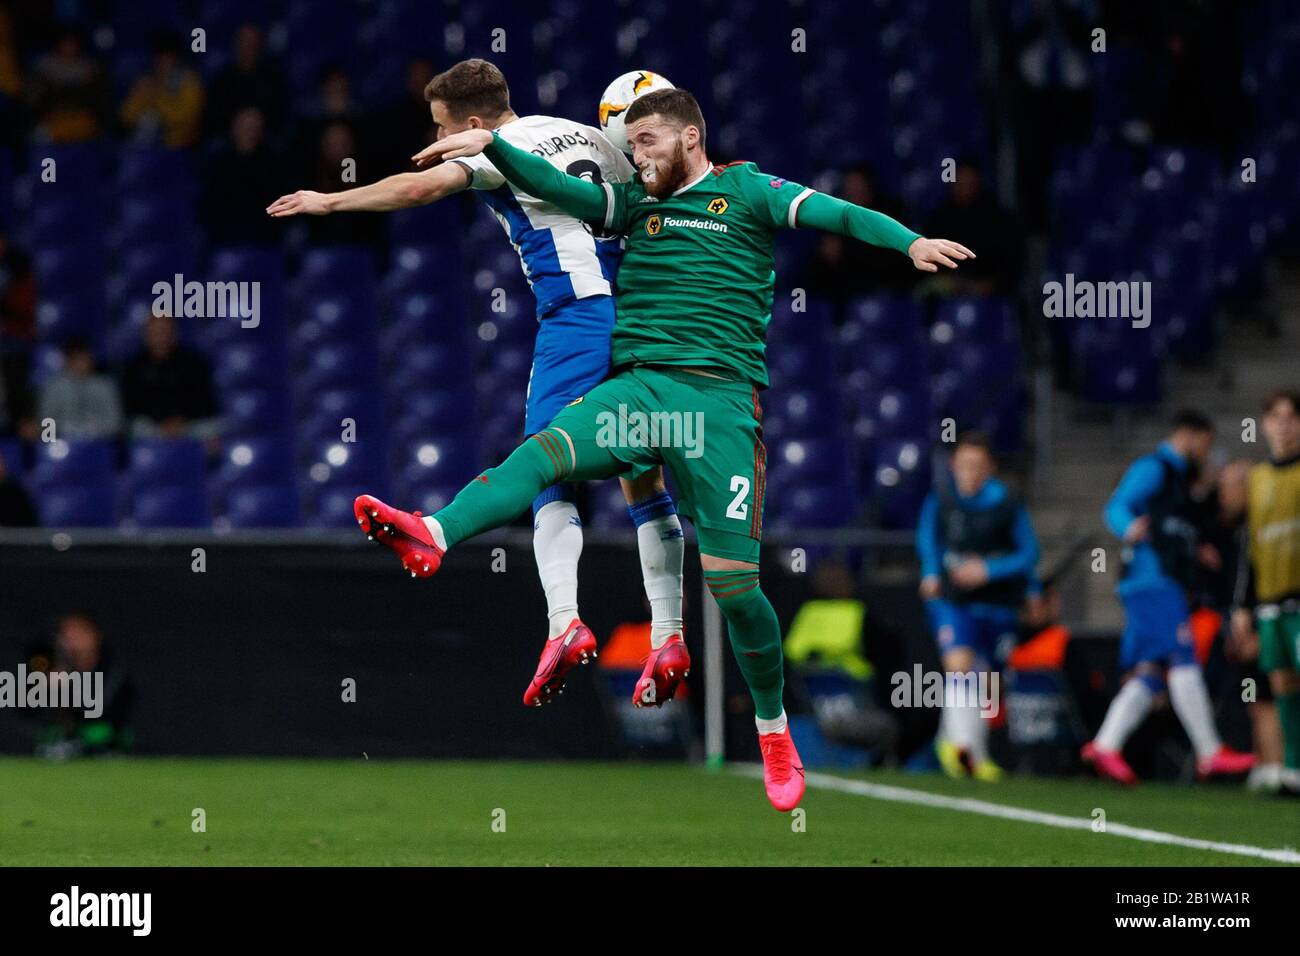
(667, 173)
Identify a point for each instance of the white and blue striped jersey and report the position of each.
(562, 258)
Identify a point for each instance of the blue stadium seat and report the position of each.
(79, 462)
(800, 365)
(809, 460)
(165, 461)
(336, 270)
(974, 320)
(14, 456)
(261, 506)
(882, 318)
(171, 506)
(902, 479)
(247, 363)
(810, 506)
(76, 506)
(255, 461)
(437, 460)
(336, 366)
(805, 413)
(250, 412)
(332, 319)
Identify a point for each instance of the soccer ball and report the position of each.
(618, 96)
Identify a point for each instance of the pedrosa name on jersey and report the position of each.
(558, 144)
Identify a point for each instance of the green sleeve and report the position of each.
(534, 175)
(819, 211)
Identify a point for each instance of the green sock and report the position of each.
(1288, 713)
(501, 494)
(755, 636)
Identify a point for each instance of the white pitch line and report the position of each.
(881, 791)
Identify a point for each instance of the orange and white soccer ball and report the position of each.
(619, 95)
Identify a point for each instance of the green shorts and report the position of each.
(706, 431)
(1279, 640)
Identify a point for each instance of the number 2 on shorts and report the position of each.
(738, 508)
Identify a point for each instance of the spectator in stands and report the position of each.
(17, 332)
(242, 172)
(841, 269)
(973, 214)
(68, 94)
(1054, 98)
(16, 507)
(335, 155)
(407, 127)
(11, 83)
(165, 106)
(251, 80)
(82, 402)
(17, 295)
(79, 648)
(167, 389)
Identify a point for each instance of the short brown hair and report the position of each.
(974, 438)
(676, 105)
(471, 88)
(1283, 395)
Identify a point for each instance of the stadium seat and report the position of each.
(261, 506)
(347, 271)
(165, 461)
(170, 506)
(62, 463)
(255, 461)
(76, 506)
(249, 412)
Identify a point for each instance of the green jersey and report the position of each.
(695, 284)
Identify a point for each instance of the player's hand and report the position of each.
(928, 254)
(1243, 643)
(970, 574)
(1137, 530)
(1209, 556)
(471, 142)
(931, 587)
(304, 202)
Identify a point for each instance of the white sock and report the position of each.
(661, 546)
(557, 545)
(1126, 711)
(961, 722)
(1265, 776)
(1192, 705)
(435, 531)
(774, 726)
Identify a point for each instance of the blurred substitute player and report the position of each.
(1270, 579)
(978, 558)
(694, 300)
(570, 268)
(1150, 511)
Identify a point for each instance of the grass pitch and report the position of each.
(279, 812)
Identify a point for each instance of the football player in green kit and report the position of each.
(693, 299)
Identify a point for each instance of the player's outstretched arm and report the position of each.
(820, 211)
(532, 174)
(395, 192)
